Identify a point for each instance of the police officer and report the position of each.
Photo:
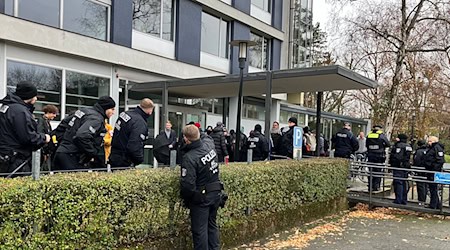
(287, 139)
(434, 161)
(18, 129)
(344, 142)
(376, 144)
(419, 161)
(258, 142)
(83, 137)
(130, 133)
(399, 158)
(201, 188)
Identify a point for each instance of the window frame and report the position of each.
(161, 20)
(227, 39)
(105, 3)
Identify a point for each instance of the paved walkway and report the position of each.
(362, 229)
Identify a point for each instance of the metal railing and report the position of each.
(365, 171)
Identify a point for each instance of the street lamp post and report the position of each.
(242, 45)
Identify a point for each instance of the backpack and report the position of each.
(310, 142)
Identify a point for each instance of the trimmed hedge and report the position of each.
(141, 207)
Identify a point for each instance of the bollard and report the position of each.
(249, 156)
(370, 188)
(108, 168)
(173, 158)
(36, 164)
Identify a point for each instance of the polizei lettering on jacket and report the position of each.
(208, 157)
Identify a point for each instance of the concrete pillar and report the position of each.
(114, 92)
(2, 69)
(275, 111)
(232, 112)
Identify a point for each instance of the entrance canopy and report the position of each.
(316, 79)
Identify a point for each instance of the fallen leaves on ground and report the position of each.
(299, 239)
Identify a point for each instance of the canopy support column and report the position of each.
(318, 121)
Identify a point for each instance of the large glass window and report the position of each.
(86, 17)
(9, 7)
(47, 81)
(262, 4)
(214, 35)
(40, 11)
(302, 34)
(258, 55)
(155, 17)
(83, 90)
(285, 115)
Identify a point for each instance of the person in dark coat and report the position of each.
(376, 144)
(130, 134)
(165, 142)
(44, 126)
(287, 139)
(275, 135)
(83, 139)
(220, 142)
(259, 144)
(200, 188)
(419, 161)
(344, 142)
(434, 161)
(18, 130)
(399, 158)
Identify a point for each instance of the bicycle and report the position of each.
(359, 170)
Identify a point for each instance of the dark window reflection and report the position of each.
(83, 90)
(86, 17)
(147, 17)
(9, 7)
(47, 81)
(40, 11)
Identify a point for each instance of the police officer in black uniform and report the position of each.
(130, 133)
(259, 144)
(18, 129)
(83, 139)
(419, 161)
(287, 139)
(201, 188)
(434, 161)
(376, 143)
(399, 158)
(344, 142)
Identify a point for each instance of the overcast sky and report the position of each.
(320, 12)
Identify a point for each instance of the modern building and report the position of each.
(78, 50)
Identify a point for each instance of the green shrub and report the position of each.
(107, 210)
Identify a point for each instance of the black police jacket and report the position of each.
(18, 128)
(400, 155)
(345, 143)
(376, 143)
(130, 133)
(434, 157)
(259, 144)
(419, 157)
(199, 168)
(85, 132)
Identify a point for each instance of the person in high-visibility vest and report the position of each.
(376, 144)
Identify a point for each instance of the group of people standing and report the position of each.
(429, 155)
(83, 139)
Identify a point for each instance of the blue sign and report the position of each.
(442, 178)
(298, 137)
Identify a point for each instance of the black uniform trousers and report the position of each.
(434, 196)
(205, 232)
(376, 181)
(8, 167)
(65, 161)
(422, 189)
(400, 186)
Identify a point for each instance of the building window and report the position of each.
(214, 35)
(262, 4)
(302, 34)
(83, 90)
(154, 17)
(285, 115)
(9, 7)
(86, 17)
(252, 111)
(47, 80)
(40, 11)
(258, 55)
